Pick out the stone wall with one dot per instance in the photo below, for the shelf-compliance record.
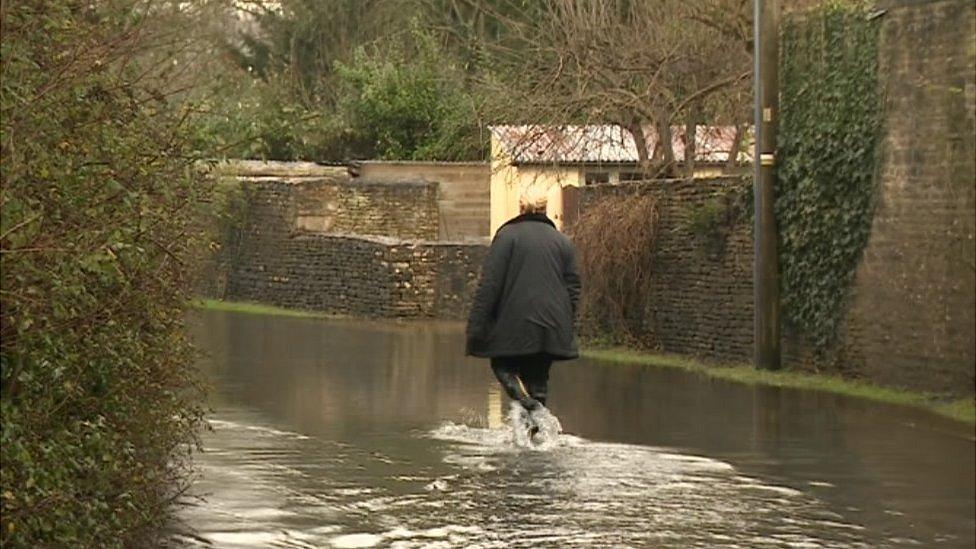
(400, 210)
(700, 300)
(292, 251)
(360, 276)
(404, 210)
(286, 171)
(913, 319)
(463, 200)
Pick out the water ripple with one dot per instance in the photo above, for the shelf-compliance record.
(269, 487)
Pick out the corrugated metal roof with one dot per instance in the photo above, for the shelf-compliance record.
(607, 143)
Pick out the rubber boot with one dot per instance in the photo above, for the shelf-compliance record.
(515, 388)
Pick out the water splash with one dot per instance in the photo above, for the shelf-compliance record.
(538, 429)
(555, 490)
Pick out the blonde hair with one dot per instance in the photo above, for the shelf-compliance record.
(533, 199)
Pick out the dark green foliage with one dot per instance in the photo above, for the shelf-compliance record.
(277, 97)
(828, 144)
(340, 79)
(97, 219)
(296, 43)
(249, 118)
(408, 106)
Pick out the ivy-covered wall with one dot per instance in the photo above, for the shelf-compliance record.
(876, 208)
(876, 191)
(830, 129)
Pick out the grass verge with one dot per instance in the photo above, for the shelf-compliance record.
(257, 309)
(961, 410)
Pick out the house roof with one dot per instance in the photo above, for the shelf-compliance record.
(607, 144)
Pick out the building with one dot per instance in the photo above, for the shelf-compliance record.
(564, 158)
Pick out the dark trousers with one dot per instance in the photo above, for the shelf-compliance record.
(524, 378)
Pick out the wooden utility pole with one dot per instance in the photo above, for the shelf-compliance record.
(766, 260)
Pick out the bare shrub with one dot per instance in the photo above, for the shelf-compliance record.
(616, 238)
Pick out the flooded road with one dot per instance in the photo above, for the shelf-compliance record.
(370, 434)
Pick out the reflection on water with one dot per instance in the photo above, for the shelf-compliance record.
(356, 434)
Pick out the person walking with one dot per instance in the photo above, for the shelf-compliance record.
(523, 312)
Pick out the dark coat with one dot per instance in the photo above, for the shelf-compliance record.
(529, 290)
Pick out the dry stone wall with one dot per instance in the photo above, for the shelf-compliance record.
(463, 192)
(405, 210)
(291, 251)
(700, 299)
(360, 276)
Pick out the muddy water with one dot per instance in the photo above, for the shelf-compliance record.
(359, 434)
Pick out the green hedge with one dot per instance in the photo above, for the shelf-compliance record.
(97, 222)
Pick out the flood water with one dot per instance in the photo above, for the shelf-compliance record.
(373, 434)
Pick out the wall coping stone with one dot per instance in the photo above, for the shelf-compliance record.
(393, 241)
(473, 163)
(262, 168)
(346, 182)
(360, 182)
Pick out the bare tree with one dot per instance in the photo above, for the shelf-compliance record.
(644, 66)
